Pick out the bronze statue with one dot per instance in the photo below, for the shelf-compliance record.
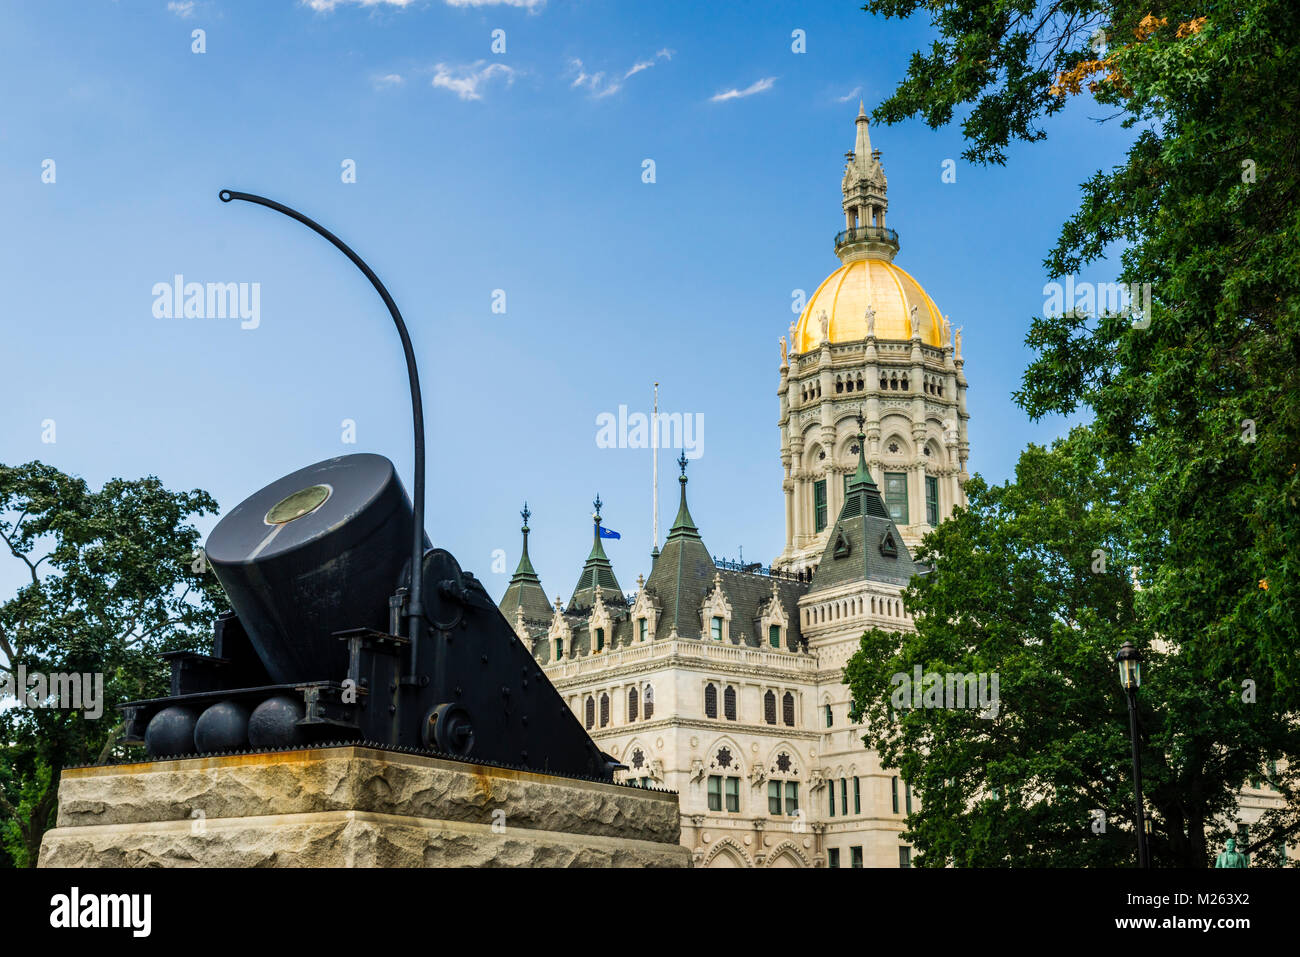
(1231, 857)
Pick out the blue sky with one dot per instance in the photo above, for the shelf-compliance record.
(478, 171)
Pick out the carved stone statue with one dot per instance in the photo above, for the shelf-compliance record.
(826, 326)
(912, 323)
(793, 340)
(947, 332)
(871, 320)
(959, 329)
(783, 353)
(1231, 857)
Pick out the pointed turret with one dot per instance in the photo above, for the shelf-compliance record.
(865, 543)
(524, 595)
(597, 572)
(682, 573)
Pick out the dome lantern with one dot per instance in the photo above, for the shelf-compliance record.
(865, 235)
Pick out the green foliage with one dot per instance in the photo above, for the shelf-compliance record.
(109, 586)
(1033, 582)
(1196, 415)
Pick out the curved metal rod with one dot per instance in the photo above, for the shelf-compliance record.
(415, 605)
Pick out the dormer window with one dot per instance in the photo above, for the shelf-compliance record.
(842, 547)
(715, 628)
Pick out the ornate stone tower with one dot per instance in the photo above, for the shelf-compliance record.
(869, 339)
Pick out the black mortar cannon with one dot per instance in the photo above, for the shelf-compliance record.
(317, 571)
(336, 636)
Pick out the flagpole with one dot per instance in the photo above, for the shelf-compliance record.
(654, 444)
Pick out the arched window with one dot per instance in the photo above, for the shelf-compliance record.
(604, 710)
(787, 709)
(783, 787)
(729, 703)
(710, 701)
(769, 707)
(631, 704)
(591, 712)
(648, 699)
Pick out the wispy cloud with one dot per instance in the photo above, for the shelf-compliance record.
(465, 81)
(594, 83)
(387, 81)
(758, 86)
(530, 5)
(325, 6)
(853, 94)
(665, 54)
(182, 8)
(600, 84)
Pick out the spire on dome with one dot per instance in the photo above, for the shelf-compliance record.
(864, 188)
(862, 147)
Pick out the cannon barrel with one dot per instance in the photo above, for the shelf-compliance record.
(313, 553)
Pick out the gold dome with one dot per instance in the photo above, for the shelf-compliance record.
(844, 297)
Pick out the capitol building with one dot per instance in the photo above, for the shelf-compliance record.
(723, 682)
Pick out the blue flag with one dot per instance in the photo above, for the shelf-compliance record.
(607, 532)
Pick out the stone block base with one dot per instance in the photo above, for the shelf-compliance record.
(353, 807)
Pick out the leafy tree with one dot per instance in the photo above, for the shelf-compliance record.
(1195, 406)
(110, 585)
(1033, 582)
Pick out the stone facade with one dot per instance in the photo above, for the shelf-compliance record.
(353, 806)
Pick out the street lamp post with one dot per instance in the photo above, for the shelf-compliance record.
(415, 603)
(1130, 676)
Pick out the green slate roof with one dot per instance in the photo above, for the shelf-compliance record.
(682, 574)
(865, 542)
(525, 589)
